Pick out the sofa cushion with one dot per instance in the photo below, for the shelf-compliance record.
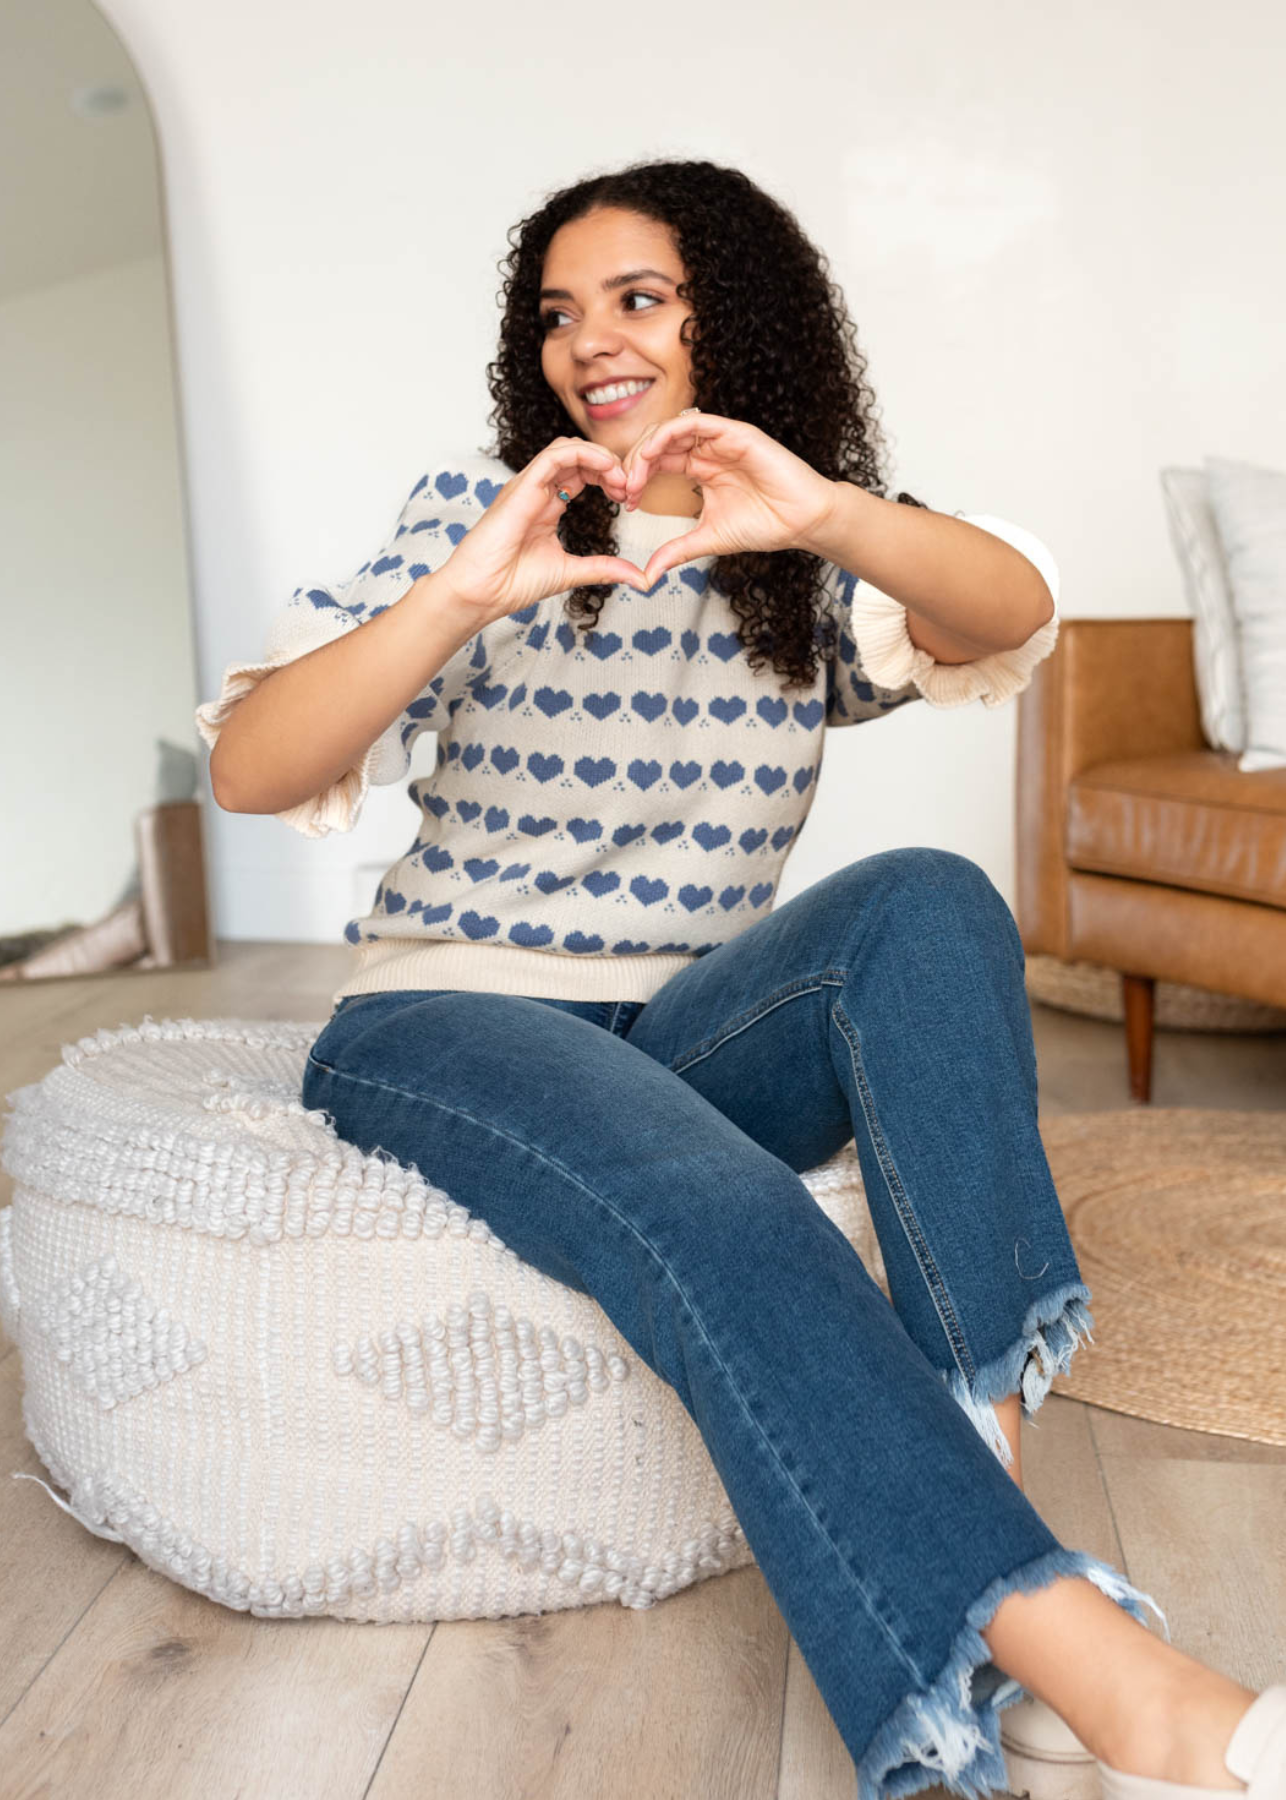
(1216, 647)
(1249, 505)
(1190, 820)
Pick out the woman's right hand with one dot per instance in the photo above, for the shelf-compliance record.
(513, 556)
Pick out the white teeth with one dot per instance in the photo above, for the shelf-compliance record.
(601, 396)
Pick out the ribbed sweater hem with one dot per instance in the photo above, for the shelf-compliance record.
(389, 964)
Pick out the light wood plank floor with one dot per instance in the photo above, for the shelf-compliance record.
(117, 1683)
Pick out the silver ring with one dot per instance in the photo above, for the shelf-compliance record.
(687, 410)
(564, 496)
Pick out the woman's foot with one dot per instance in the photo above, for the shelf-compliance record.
(1183, 1734)
(1140, 1705)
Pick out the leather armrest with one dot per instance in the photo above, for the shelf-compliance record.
(1111, 688)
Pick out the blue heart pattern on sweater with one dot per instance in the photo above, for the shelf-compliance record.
(596, 744)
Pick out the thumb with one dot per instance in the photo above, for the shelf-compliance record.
(678, 550)
(591, 569)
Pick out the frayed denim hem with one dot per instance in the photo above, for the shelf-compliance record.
(1051, 1333)
(945, 1736)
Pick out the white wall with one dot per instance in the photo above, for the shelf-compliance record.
(1050, 223)
(97, 657)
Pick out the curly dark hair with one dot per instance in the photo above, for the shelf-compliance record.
(774, 346)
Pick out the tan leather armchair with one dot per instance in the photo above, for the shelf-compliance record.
(1138, 846)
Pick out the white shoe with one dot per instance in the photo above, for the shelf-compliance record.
(1256, 1754)
(1043, 1755)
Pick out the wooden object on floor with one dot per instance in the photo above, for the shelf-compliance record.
(1138, 992)
(172, 881)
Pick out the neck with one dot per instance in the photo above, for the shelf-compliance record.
(672, 495)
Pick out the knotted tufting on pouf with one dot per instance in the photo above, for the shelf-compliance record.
(300, 1379)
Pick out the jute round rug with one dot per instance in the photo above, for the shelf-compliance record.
(1178, 1219)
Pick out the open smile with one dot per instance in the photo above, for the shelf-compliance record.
(623, 395)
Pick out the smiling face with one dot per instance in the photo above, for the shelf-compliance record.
(611, 321)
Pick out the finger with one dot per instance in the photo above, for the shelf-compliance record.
(676, 438)
(573, 464)
(631, 455)
(561, 490)
(641, 464)
(578, 455)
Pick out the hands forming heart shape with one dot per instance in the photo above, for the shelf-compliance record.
(755, 495)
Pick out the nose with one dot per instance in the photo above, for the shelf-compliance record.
(595, 336)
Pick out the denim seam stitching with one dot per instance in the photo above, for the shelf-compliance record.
(660, 1261)
(803, 984)
(901, 1201)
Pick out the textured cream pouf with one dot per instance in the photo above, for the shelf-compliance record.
(300, 1379)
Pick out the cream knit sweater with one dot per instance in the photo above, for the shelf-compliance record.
(604, 808)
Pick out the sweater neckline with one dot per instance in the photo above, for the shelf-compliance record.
(642, 533)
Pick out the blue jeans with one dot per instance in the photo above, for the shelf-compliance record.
(649, 1154)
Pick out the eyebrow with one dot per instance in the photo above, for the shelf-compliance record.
(612, 281)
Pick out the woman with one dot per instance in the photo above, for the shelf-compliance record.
(572, 1005)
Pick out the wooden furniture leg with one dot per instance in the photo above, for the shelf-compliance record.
(1139, 996)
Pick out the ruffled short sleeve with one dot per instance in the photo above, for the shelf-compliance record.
(878, 666)
(440, 509)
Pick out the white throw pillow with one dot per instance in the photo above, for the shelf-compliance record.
(1249, 505)
(1216, 648)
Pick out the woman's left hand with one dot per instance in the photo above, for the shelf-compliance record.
(756, 495)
